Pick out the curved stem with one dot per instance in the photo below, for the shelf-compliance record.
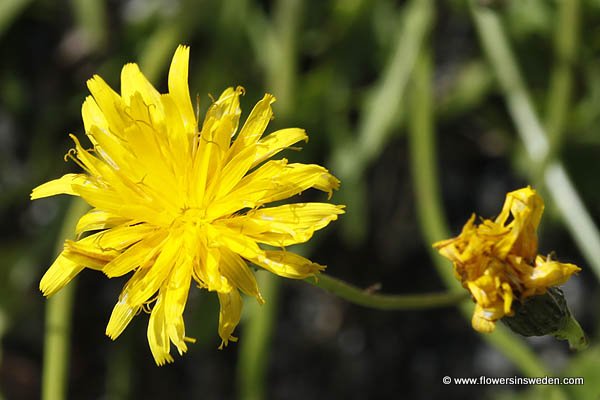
(58, 319)
(386, 302)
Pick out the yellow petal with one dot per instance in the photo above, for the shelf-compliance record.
(233, 172)
(287, 264)
(206, 161)
(109, 102)
(508, 296)
(92, 115)
(481, 321)
(98, 219)
(229, 315)
(175, 298)
(285, 225)
(207, 266)
(222, 118)
(91, 163)
(238, 274)
(59, 274)
(113, 202)
(296, 178)
(133, 81)
(549, 273)
(275, 180)
(158, 337)
(88, 256)
(156, 173)
(141, 287)
(239, 244)
(112, 149)
(255, 125)
(117, 238)
(277, 141)
(62, 185)
(178, 87)
(526, 208)
(96, 250)
(136, 256)
(166, 323)
(177, 146)
(120, 317)
(249, 190)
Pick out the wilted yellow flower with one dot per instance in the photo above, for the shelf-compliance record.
(173, 202)
(497, 261)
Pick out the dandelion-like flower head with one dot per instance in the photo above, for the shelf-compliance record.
(497, 261)
(174, 202)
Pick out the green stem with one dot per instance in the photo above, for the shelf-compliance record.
(58, 319)
(561, 81)
(386, 302)
(430, 210)
(119, 376)
(253, 350)
(574, 334)
(560, 187)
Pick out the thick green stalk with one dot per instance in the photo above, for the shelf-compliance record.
(254, 349)
(59, 308)
(561, 81)
(430, 210)
(366, 298)
(558, 184)
(423, 164)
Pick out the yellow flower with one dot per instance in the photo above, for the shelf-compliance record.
(497, 261)
(173, 202)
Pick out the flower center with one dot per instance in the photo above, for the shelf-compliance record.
(191, 216)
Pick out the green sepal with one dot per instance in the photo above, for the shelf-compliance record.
(547, 314)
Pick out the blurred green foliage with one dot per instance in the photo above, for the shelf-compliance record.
(343, 70)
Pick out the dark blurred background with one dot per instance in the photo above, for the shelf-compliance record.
(345, 71)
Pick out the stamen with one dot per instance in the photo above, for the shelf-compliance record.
(72, 154)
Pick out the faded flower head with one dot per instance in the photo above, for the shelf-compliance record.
(174, 202)
(497, 261)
